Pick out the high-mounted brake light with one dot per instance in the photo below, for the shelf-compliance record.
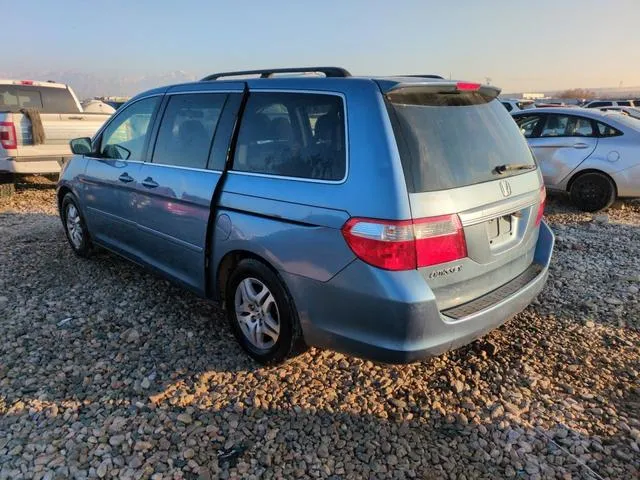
(468, 86)
(26, 82)
(406, 244)
(8, 138)
(543, 201)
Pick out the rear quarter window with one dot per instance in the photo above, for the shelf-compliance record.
(298, 135)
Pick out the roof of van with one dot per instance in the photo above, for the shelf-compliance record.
(384, 83)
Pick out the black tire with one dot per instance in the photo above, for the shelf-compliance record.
(592, 191)
(289, 340)
(83, 247)
(7, 189)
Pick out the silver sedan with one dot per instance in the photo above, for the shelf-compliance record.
(593, 155)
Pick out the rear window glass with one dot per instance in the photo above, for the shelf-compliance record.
(13, 98)
(45, 99)
(449, 141)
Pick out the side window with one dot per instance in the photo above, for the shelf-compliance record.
(125, 136)
(294, 135)
(624, 104)
(508, 106)
(600, 104)
(605, 130)
(567, 126)
(187, 129)
(528, 124)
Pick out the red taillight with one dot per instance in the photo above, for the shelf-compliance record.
(543, 201)
(8, 137)
(468, 86)
(26, 82)
(406, 244)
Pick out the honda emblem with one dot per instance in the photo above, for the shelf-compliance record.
(505, 187)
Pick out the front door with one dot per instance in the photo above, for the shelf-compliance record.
(176, 188)
(561, 144)
(112, 176)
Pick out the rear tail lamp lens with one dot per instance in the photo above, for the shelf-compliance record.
(406, 244)
(8, 138)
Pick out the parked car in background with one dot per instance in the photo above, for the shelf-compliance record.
(37, 120)
(593, 155)
(115, 102)
(515, 105)
(610, 103)
(632, 112)
(314, 210)
(96, 106)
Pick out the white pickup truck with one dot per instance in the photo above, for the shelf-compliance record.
(61, 117)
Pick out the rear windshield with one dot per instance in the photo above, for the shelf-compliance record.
(448, 141)
(13, 98)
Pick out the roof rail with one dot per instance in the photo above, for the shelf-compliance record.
(328, 71)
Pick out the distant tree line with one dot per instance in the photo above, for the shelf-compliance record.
(577, 93)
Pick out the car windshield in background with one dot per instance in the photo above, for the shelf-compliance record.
(448, 141)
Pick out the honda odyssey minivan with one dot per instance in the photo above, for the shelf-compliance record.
(390, 218)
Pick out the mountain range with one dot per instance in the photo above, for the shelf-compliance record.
(87, 85)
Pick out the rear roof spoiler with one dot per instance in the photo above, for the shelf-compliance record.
(444, 87)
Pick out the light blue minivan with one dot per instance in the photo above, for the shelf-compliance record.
(388, 218)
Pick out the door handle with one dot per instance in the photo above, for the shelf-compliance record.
(125, 177)
(76, 118)
(580, 145)
(150, 183)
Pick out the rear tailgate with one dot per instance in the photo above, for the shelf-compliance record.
(59, 129)
(455, 141)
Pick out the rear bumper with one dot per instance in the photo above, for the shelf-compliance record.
(46, 164)
(393, 317)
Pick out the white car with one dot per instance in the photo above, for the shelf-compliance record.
(516, 105)
(37, 121)
(611, 103)
(592, 155)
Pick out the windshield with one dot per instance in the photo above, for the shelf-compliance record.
(453, 141)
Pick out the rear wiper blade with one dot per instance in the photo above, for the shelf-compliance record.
(510, 167)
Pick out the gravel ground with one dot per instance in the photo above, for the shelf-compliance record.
(108, 371)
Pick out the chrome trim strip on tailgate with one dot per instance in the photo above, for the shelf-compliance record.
(498, 209)
(476, 197)
(495, 296)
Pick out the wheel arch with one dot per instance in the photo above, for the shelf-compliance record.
(62, 191)
(576, 175)
(226, 265)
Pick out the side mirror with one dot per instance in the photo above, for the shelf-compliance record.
(81, 146)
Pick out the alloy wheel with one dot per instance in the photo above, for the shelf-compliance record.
(257, 313)
(74, 227)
